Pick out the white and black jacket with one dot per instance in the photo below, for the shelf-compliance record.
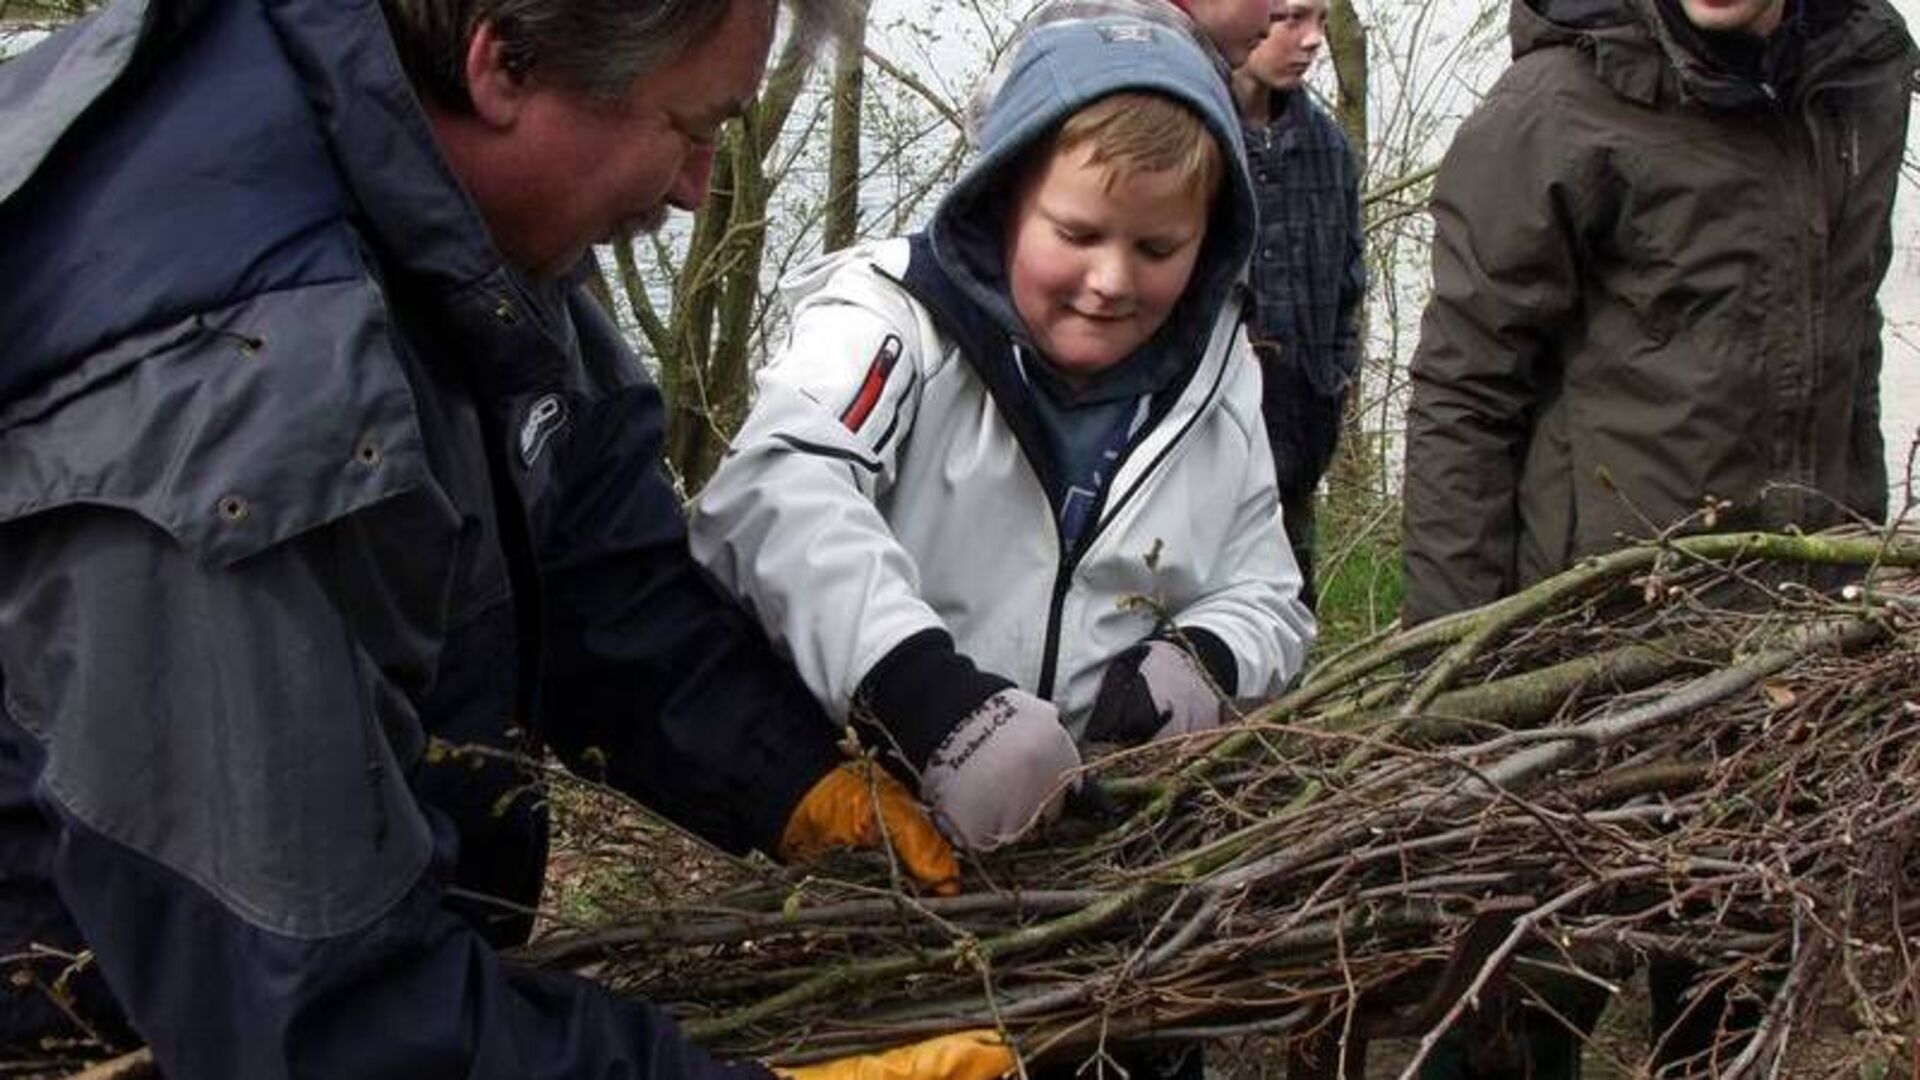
(887, 492)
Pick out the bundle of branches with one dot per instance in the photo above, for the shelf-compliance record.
(1678, 749)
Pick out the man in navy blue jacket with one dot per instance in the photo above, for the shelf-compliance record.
(316, 460)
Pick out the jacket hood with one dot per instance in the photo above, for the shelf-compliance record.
(322, 146)
(1642, 51)
(1159, 12)
(1059, 69)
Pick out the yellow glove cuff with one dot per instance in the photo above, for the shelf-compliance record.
(964, 1055)
(840, 811)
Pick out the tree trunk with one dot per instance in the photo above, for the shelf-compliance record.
(1357, 468)
(602, 292)
(842, 223)
(704, 346)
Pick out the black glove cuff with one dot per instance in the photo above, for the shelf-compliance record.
(1123, 711)
(1218, 660)
(920, 691)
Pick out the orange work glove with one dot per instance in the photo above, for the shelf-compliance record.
(846, 808)
(964, 1055)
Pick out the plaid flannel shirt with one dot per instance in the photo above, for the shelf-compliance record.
(1307, 278)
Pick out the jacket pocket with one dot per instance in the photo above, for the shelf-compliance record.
(232, 430)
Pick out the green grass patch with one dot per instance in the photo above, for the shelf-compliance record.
(1357, 572)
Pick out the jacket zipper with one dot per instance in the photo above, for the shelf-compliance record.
(1812, 351)
(1070, 559)
(1815, 80)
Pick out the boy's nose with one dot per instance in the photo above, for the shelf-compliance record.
(1110, 276)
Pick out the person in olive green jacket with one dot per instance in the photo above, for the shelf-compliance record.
(1658, 242)
(1657, 246)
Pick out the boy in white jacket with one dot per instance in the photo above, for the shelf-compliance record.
(1007, 483)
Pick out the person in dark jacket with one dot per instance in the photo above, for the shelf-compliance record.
(1658, 243)
(1308, 273)
(324, 489)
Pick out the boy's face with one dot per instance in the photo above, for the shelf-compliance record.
(1234, 26)
(1095, 272)
(1283, 60)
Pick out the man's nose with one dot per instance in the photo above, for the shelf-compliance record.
(690, 187)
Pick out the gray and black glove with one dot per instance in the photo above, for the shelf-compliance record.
(1001, 770)
(1158, 690)
(991, 758)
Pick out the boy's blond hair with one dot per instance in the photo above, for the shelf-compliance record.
(1139, 132)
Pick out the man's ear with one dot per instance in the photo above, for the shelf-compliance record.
(497, 90)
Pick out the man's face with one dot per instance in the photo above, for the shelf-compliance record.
(1283, 60)
(578, 170)
(1095, 272)
(1234, 26)
(1756, 17)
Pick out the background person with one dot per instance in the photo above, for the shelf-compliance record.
(1309, 273)
(1657, 246)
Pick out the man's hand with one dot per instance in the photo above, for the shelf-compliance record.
(965, 1055)
(1154, 690)
(852, 806)
(999, 770)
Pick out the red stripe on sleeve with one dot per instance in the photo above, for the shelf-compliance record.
(875, 382)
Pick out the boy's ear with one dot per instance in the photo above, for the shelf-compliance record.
(496, 84)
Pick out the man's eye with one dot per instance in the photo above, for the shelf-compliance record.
(702, 135)
(1075, 237)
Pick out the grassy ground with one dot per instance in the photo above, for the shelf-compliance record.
(610, 858)
(1357, 570)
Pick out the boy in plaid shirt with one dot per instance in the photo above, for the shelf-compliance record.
(1308, 273)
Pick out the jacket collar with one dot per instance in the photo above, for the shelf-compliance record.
(1285, 110)
(1639, 57)
(428, 232)
(90, 57)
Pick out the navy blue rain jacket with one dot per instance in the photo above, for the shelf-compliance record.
(299, 484)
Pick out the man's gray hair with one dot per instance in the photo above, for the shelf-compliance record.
(598, 47)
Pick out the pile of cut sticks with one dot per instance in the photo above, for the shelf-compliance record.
(1682, 749)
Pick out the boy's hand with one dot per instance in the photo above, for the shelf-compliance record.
(964, 1055)
(999, 770)
(847, 809)
(1154, 690)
